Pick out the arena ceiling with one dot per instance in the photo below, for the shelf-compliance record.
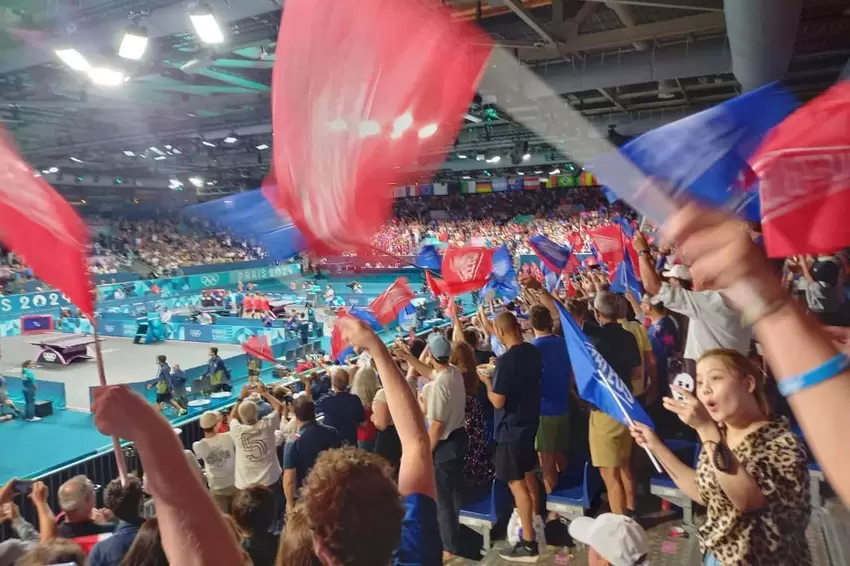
(628, 65)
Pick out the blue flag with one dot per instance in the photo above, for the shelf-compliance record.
(502, 282)
(609, 195)
(625, 280)
(503, 264)
(554, 256)
(596, 381)
(701, 156)
(367, 316)
(407, 317)
(429, 258)
(251, 216)
(626, 226)
(550, 278)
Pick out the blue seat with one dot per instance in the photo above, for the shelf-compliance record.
(576, 489)
(661, 485)
(483, 514)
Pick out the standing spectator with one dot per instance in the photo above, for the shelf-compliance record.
(125, 502)
(648, 364)
(76, 499)
(219, 455)
(666, 345)
(30, 387)
(553, 433)
(253, 510)
(514, 390)
(365, 386)
(28, 537)
(478, 463)
(299, 455)
(610, 441)
(342, 410)
(387, 441)
(255, 441)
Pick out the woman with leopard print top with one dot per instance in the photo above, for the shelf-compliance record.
(751, 474)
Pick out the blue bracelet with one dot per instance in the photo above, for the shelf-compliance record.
(827, 370)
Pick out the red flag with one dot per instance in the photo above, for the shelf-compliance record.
(608, 241)
(338, 345)
(258, 346)
(40, 226)
(571, 291)
(435, 284)
(466, 269)
(392, 301)
(411, 336)
(366, 88)
(804, 174)
(576, 242)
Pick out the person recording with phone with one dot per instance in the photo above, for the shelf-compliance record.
(751, 474)
(28, 537)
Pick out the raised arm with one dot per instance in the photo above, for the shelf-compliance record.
(684, 476)
(648, 275)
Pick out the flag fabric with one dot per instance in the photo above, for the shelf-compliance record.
(339, 349)
(364, 89)
(575, 241)
(428, 258)
(804, 176)
(367, 316)
(507, 288)
(258, 347)
(407, 318)
(466, 269)
(550, 279)
(596, 381)
(608, 242)
(699, 157)
(503, 264)
(40, 227)
(251, 216)
(626, 226)
(555, 257)
(435, 284)
(388, 304)
(625, 280)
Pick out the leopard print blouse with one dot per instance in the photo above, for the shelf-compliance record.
(775, 534)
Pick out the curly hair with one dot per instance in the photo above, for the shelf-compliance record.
(353, 505)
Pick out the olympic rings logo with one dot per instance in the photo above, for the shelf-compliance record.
(209, 279)
(49, 356)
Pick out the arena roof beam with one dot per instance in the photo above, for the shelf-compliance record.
(695, 5)
(624, 14)
(518, 9)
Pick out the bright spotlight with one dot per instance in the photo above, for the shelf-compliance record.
(427, 131)
(526, 157)
(129, 153)
(134, 43)
(102, 76)
(73, 59)
(197, 181)
(208, 144)
(206, 25)
(230, 139)
(262, 146)
(401, 125)
(53, 170)
(75, 160)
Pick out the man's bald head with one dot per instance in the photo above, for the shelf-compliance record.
(76, 498)
(339, 378)
(507, 327)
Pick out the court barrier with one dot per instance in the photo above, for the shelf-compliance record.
(100, 466)
(53, 391)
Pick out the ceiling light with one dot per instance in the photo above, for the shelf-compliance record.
(129, 153)
(538, 172)
(231, 138)
(175, 183)
(520, 173)
(526, 157)
(262, 146)
(37, 174)
(208, 144)
(75, 160)
(206, 25)
(168, 147)
(401, 125)
(427, 131)
(480, 157)
(466, 177)
(368, 128)
(159, 158)
(53, 170)
(73, 59)
(555, 171)
(338, 125)
(197, 181)
(495, 159)
(134, 43)
(45, 171)
(176, 151)
(461, 156)
(102, 76)
(156, 150)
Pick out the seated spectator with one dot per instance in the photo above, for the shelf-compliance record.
(218, 453)
(77, 501)
(299, 455)
(296, 542)
(342, 410)
(58, 551)
(125, 502)
(147, 549)
(253, 511)
(613, 540)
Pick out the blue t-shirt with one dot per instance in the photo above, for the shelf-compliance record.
(343, 411)
(300, 454)
(420, 535)
(557, 373)
(28, 380)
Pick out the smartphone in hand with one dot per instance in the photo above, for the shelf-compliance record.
(23, 487)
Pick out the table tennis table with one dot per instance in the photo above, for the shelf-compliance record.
(64, 349)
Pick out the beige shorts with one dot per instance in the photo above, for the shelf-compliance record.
(610, 441)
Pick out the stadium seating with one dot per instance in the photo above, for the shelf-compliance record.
(576, 489)
(483, 514)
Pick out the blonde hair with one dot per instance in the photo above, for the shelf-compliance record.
(365, 385)
(240, 536)
(296, 541)
(741, 366)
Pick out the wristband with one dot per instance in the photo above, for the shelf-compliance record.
(825, 371)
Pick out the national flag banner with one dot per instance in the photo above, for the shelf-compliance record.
(466, 269)
(586, 179)
(483, 187)
(530, 183)
(550, 279)
(626, 226)
(596, 381)
(339, 349)
(388, 304)
(506, 288)
(554, 256)
(500, 184)
(516, 183)
(426, 189)
(575, 241)
(259, 347)
(428, 258)
(468, 187)
(435, 284)
(608, 242)
(367, 316)
(566, 181)
(441, 188)
(42, 229)
(365, 90)
(803, 169)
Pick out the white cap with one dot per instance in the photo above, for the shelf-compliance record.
(678, 271)
(616, 538)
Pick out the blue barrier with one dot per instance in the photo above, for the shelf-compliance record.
(53, 391)
(199, 269)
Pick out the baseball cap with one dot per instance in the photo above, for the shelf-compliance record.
(439, 347)
(209, 419)
(616, 538)
(678, 271)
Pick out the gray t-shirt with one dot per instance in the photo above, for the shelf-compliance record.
(447, 400)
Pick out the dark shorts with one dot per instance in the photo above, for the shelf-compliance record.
(163, 397)
(515, 459)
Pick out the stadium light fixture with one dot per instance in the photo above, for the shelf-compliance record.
(231, 138)
(428, 131)
(159, 158)
(521, 173)
(176, 151)
(156, 150)
(262, 146)
(538, 172)
(103, 76)
(495, 159)
(129, 153)
(197, 181)
(45, 171)
(555, 171)
(53, 169)
(134, 43)
(526, 156)
(461, 156)
(73, 59)
(207, 143)
(466, 177)
(75, 160)
(205, 24)
(168, 147)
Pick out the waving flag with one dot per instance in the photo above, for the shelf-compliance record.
(608, 242)
(626, 226)
(700, 156)
(804, 177)
(365, 87)
(435, 284)
(596, 381)
(407, 318)
(251, 216)
(388, 304)
(258, 347)
(367, 316)
(555, 257)
(625, 280)
(550, 279)
(428, 258)
(339, 349)
(41, 227)
(503, 265)
(466, 269)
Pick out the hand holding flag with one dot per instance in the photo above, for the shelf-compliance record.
(388, 304)
(259, 347)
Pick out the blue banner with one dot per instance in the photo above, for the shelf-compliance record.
(426, 189)
(516, 183)
(554, 256)
(499, 184)
(429, 258)
(31, 303)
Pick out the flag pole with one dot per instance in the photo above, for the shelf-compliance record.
(101, 376)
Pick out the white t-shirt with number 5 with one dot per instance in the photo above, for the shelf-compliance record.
(256, 451)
